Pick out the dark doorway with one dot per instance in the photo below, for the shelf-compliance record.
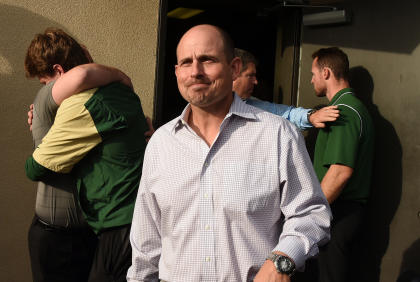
(253, 27)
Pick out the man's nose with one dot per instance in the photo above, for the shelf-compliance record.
(196, 69)
(255, 80)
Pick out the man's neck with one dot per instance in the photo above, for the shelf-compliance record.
(335, 87)
(206, 121)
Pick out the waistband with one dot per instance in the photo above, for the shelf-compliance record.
(47, 225)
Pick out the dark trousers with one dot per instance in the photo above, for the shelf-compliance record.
(333, 263)
(112, 256)
(60, 255)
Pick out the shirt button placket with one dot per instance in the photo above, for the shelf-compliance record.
(207, 220)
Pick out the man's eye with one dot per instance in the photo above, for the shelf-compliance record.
(207, 60)
(185, 64)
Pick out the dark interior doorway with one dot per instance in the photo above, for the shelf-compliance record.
(253, 27)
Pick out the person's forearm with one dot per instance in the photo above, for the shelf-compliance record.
(334, 181)
(85, 77)
(35, 171)
(298, 116)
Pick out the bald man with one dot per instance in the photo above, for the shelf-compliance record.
(228, 192)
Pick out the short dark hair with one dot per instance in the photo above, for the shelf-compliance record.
(246, 58)
(335, 59)
(54, 46)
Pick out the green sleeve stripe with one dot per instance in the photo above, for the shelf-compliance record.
(34, 170)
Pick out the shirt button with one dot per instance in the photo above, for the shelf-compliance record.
(207, 259)
(206, 195)
(207, 227)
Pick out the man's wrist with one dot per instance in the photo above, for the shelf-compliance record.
(308, 115)
(282, 263)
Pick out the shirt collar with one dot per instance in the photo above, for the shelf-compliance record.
(341, 93)
(247, 99)
(238, 108)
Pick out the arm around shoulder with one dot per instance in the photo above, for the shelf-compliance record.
(85, 77)
(319, 117)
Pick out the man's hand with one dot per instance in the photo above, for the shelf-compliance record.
(30, 116)
(268, 273)
(323, 115)
(151, 130)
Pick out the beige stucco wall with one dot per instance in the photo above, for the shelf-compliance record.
(118, 33)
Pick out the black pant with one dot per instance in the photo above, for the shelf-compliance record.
(113, 255)
(60, 255)
(333, 263)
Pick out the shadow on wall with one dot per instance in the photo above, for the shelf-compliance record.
(18, 27)
(386, 182)
(410, 269)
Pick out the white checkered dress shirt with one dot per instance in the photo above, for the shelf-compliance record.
(215, 213)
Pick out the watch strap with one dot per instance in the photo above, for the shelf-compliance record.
(273, 257)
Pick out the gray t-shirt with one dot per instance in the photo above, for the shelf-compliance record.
(55, 201)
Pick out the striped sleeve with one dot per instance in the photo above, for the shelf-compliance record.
(71, 137)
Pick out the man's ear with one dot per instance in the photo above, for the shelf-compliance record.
(58, 69)
(176, 70)
(326, 73)
(236, 65)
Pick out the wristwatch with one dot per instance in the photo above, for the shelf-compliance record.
(310, 112)
(283, 264)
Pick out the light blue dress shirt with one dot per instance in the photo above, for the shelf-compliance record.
(297, 116)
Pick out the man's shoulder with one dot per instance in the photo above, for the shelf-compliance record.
(168, 127)
(353, 109)
(78, 99)
(43, 94)
(270, 122)
(162, 137)
(116, 96)
(350, 101)
(45, 108)
(261, 103)
(114, 86)
(267, 116)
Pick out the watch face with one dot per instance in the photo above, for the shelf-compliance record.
(284, 265)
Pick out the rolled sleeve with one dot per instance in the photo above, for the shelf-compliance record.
(307, 215)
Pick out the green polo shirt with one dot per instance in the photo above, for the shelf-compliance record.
(348, 141)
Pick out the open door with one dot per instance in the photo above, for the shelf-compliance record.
(254, 26)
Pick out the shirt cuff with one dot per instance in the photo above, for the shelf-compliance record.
(293, 248)
(305, 121)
